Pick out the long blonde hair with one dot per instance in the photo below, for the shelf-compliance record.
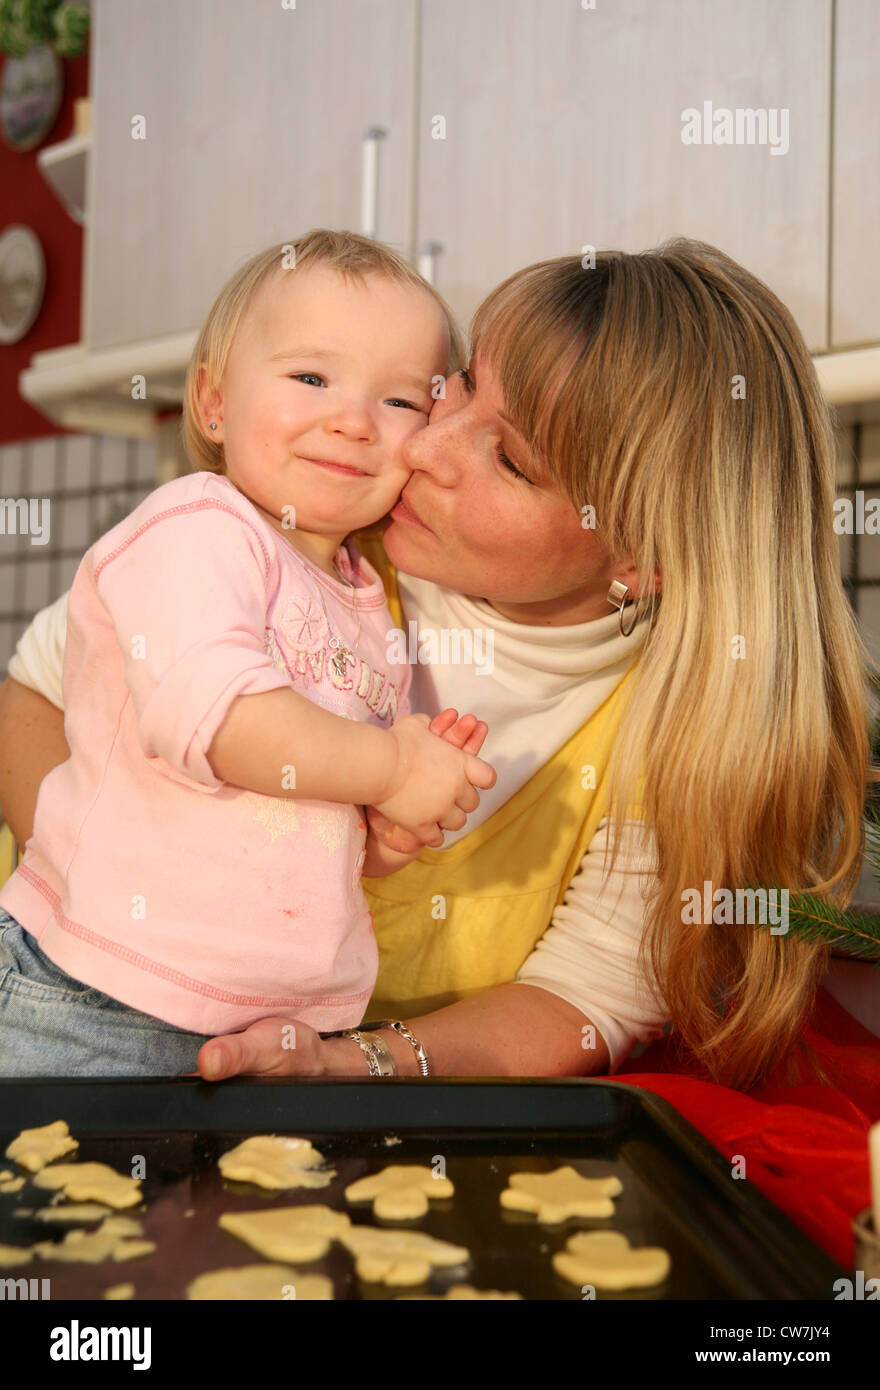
(351, 255)
(672, 391)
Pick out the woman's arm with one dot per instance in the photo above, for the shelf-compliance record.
(32, 742)
(510, 1030)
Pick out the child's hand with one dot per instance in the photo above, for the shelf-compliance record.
(467, 733)
(434, 785)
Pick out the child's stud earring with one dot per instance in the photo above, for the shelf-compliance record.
(213, 424)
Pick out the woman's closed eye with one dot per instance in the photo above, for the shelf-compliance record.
(502, 457)
(393, 400)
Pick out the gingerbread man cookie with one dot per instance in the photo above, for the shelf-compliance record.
(400, 1192)
(556, 1196)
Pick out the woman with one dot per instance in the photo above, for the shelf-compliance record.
(657, 415)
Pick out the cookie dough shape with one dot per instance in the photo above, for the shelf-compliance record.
(86, 1182)
(399, 1257)
(556, 1196)
(251, 1282)
(73, 1211)
(11, 1184)
(400, 1192)
(276, 1162)
(119, 1291)
(13, 1255)
(606, 1260)
(456, 1293)
(34, 1148)
(287, 1233)
(110, 1241)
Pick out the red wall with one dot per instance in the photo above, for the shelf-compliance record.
(26, 197)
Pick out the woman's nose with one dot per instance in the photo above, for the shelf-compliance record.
(435, 449)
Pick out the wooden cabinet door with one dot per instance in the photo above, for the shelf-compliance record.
(254, 118)
(855, 200)
(563, 128)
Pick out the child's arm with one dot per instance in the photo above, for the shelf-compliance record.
(280, 743)
(466, 733)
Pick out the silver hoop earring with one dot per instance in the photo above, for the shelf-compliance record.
(617, 598)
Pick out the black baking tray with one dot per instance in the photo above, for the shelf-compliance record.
(725, 1239)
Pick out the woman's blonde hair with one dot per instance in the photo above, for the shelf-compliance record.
(672, 391)
(351, 255)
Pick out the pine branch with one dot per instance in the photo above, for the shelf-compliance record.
(810, 918)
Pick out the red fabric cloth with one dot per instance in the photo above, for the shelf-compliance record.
(805, 1146)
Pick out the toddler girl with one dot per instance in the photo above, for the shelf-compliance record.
(195, 864)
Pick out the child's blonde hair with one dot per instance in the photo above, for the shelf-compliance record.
(351, 255)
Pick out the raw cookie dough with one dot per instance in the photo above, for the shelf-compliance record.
(84, 1182)
(11, 1184)
(299, 1234)
(111, 1239)
(456, 1293)
(74, 1211)
(11, 1255)
(606, 1260)
(260, 1282)
(34, 1148)
(119, 1291)
(276, 1162)
(400, 1192)
(556, 1196)
(399, 1257)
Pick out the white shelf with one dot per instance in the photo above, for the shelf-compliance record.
(63, 166)
(91, 390)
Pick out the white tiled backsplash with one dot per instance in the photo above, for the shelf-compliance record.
(92, 481)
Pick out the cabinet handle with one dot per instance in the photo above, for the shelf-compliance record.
(370, 180)
(427, 258)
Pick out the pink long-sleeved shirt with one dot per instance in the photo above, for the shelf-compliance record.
(204, 904)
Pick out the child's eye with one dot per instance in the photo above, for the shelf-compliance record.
(313, 376)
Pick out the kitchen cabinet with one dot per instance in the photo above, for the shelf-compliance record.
(254, 117)
(855, 207)
(548, 127)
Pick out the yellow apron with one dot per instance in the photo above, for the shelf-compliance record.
(457, 921)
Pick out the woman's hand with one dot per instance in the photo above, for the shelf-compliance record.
(435, 779)
(467, 733)
(275, 1047)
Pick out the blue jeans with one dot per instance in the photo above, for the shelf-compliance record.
(54, 1025)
